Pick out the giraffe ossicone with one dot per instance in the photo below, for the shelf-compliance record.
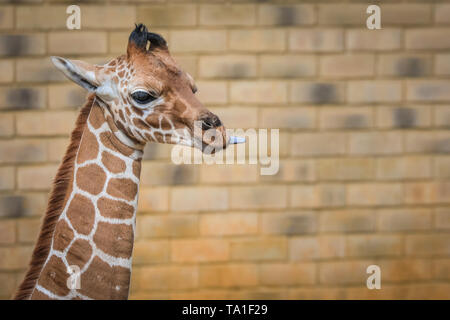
(142, 96)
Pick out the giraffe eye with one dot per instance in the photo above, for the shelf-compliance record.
(142, 97)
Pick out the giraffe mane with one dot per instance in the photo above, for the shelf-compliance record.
(61, 183)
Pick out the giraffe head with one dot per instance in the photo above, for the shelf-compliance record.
(148, 96)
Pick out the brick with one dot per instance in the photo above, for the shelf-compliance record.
(316, 248)
(227, 15)
(289, 223)
(430, 90)
(151, 252)
(227, 66)
(163, 173)
(344, 221)
(7, 179)
(426, 39)
(318, 144)
(237, 116)
(148, 295)
(346, 118)
(288, 66)
(347, 66)
(286, 15)
(157, 151)
(427, 244)
(15, 98)
(424, 291)
(375, 143)
(7, 67)
(112, 17)
(288, 118)
(50, 123)
(7, 16)
(441, 64)
(154, 199)
(37, 70)
(267, 40)
(406, 14)
(189, 40)
(66, 96)
(261, 92)
(17, 151)
(228, 224)
(14, 45)
(294, 171)
(42, 17)
(9, 285)
(228, 173)
(56, 148)
(259, 250)
(261, 294)
(28, 230)
(400, 168)
(427, 142)
(188, 63)
(442, 167)
(85, 42)
(315, 293)
(317, 92)
(36, 178)
(14, 258)
(404, 117)
(198, 199)
(374, 91)
(23, 205)
(174, 15)
(441, 269)
(258, 197)
(7, 231)
(282, 274)
(315, 196)
(321, 40)
(442, 116)
(163, 278)
(160, 226)
(229, 275)
(343, 169)
(118, 41)
(441, 12)
(336, 14)
(367, 40)
(406, 270)
(404, 65)
(212, 92)
(419, 192)
(404, 219)
(369, 194)
(200, 250)
(6, 125)
(427, 192)
(374, 245)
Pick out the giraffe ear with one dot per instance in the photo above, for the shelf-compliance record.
(82, 73)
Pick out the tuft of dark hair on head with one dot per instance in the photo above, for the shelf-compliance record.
(140, 36)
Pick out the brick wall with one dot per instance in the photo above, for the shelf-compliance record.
(364, 144)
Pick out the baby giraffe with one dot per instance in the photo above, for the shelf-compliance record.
(85, 245)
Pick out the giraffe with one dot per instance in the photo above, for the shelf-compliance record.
(142, 96)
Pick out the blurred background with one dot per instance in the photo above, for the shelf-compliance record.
(364, 119)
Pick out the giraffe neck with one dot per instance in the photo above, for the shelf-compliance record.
(95, 230)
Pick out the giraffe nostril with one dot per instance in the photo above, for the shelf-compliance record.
(211, 122)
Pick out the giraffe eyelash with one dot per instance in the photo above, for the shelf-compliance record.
(144, 99)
